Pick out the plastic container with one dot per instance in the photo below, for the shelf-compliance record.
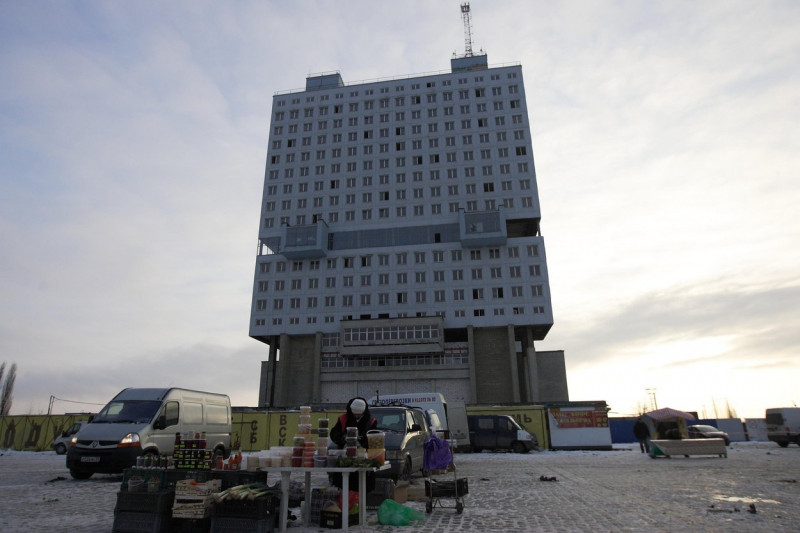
(305, 410)
(352, 432)
(322, 423)
(376, 439)
(377, 453)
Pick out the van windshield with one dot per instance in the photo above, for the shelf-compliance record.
(128, 412)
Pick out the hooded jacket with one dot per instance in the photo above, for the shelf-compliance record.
(348, 419)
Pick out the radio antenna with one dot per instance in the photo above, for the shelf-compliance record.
(467, 18)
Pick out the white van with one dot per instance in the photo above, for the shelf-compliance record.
(144, 422)
(783, 425)
(424, 400)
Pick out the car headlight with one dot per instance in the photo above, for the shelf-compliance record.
(393, 454)
(129, 440)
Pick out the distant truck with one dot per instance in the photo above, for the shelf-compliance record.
(783, 425)
(499, 432)
(144, 422)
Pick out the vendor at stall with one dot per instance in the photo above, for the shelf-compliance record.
(358, 416)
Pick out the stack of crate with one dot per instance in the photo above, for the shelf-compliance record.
(193, 502)
(143, 507)
(247, 516)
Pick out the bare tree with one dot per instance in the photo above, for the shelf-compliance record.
(7, 393)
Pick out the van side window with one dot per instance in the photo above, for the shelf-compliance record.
(217, 414)
(192, 413)
(486, 423)
(171, 413)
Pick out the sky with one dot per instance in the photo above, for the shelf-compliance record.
(133, 140)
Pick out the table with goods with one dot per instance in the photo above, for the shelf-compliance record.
(310, 454)
(194, 490)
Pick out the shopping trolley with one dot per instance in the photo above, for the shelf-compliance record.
(437, 460)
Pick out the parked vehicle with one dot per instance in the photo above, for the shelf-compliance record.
(62, 442)
(144, 422)
(700, 431)
(405, 432)
(499, 432)
(424, 400)
(783, 425)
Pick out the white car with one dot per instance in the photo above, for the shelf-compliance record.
(62, 442)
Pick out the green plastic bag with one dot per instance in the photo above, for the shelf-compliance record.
(391, 513)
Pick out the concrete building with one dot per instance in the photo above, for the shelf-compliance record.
(399, 244)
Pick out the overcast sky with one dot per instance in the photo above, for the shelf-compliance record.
(666, 134)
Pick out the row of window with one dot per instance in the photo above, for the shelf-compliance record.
(401, 278)
(396, 298)
(336, 361)
(458, 313)
(391, 333)
(400, 147)
(427, 85)
(403, 258)
(358, 108)
(402, 132)
(434, 191)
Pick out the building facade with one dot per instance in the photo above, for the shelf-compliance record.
(399, 245)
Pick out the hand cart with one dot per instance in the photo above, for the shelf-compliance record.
(437, 459)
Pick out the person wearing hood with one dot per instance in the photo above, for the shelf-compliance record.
(357, 415)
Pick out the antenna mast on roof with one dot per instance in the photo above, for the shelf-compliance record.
(465, 16)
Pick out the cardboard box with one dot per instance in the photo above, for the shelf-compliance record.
(401, 492)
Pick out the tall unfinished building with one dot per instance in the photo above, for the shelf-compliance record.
(399, 246)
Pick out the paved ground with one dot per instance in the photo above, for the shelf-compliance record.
(620, 490)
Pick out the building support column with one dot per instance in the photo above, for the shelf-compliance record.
(316, 393)
(534, 394)
(512, 355)
(279, 395)
(473, 383)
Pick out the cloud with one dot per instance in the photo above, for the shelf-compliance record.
(132, 160)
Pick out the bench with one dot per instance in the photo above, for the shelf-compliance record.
(687, 447)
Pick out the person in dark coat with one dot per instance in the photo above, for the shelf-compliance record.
(357, 415)
(642, 434)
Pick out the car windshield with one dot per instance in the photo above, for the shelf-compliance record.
(391, 420)
(128, 411)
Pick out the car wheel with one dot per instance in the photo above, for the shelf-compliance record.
(783, 443)
(61, 449)
(80, 474)
(518, 447)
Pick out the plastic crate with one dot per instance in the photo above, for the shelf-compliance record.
(320, 498)
(446, 489)
(135, 522)
(333, 519)
(191, 525)
(147, 474)
(384, 490)
(145, 502)
(256, 508)
(230, 524)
